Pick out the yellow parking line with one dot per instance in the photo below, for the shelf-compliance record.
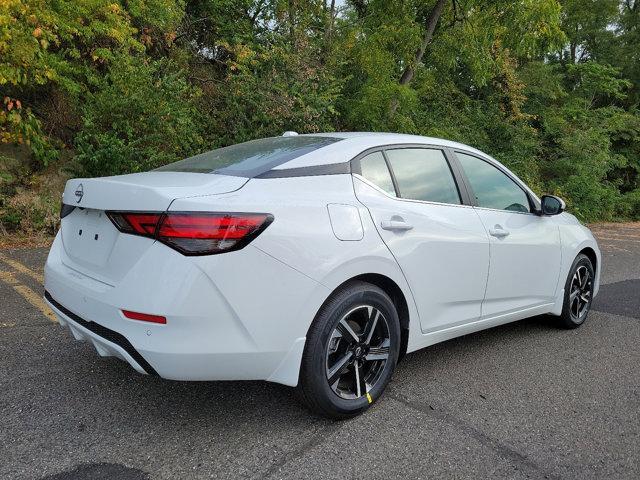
(29, 295)
(36, 300)
(8, 278)
(23, 269)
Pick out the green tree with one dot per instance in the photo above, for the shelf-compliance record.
(143, 116)
(548, 87)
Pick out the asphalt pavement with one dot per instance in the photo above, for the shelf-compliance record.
(524, 400)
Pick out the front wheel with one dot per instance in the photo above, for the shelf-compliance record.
(351, 352)
(578, 293)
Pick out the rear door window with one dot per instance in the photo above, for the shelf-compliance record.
(374, 168)
(423, 174)
(250, 159)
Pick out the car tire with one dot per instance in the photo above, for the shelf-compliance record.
(578, 293)
(344, 368)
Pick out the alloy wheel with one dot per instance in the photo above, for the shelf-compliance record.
(357, 352)
(580, 292)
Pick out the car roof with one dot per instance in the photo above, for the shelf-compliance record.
(352, 144)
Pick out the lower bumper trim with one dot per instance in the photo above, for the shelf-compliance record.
(106, 333)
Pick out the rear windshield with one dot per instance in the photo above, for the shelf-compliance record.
(250, 159)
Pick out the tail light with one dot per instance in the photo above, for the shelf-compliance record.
(194, 233)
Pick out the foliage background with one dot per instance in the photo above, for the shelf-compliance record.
(96, 87)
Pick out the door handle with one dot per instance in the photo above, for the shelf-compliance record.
(397, 225)
(498, 232)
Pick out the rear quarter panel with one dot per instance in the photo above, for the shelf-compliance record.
(301, 237)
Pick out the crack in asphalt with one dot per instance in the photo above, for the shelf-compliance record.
(322, 435)
(505, 451)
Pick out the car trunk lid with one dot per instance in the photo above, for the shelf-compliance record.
(94, 246)
(152, 191)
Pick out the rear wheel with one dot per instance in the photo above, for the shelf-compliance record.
(351, 352)
(578, 293)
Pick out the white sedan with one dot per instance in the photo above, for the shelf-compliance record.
(314, 261)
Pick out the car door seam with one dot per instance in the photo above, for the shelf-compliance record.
(558, 279)
(486, 283)
(373, 221)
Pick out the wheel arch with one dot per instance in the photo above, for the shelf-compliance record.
(391, 288)
(591, 255)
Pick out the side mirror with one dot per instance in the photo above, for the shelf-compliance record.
(552, 205)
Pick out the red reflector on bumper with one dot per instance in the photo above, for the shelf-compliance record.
(145, 317)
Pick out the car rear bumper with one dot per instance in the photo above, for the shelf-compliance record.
(239, 329)
(108, 343)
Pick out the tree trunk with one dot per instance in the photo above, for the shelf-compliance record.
(410, 70)
(292, 19)
(431, 22)
(329, 21)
